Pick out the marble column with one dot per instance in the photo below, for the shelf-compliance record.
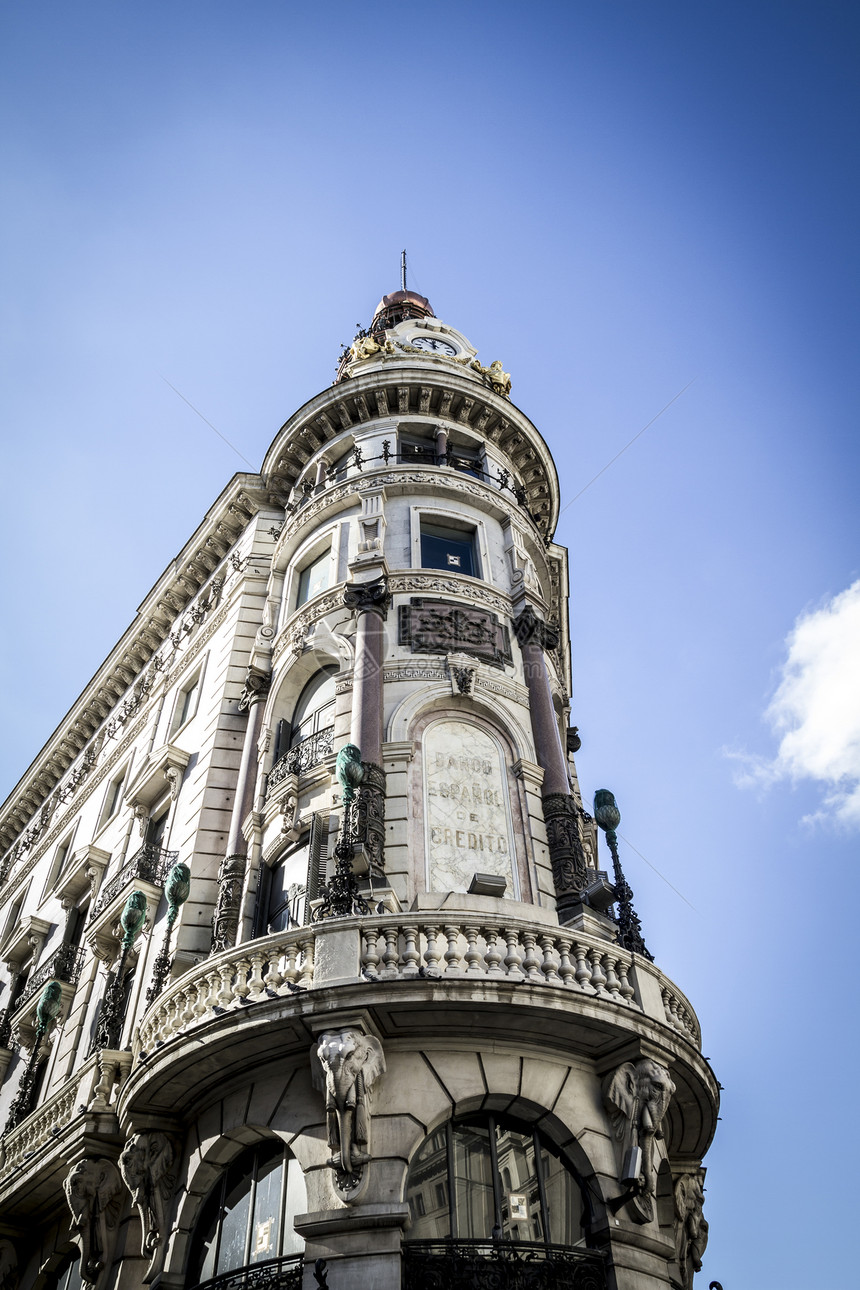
(231, 875)
(370, 601)
(570, 872)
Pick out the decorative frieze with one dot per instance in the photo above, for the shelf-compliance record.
(445, 627)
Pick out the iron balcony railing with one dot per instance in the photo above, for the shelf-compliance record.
(63, 965)
(306, 754)
(274, 1274)
(500, 1265)
(150, 863)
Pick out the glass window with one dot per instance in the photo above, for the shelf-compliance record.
(288, 889)
(114, 798)
(444, 547)
(248, 1216)
(315, 708)
(505, 1181)
(314, 577)
(186, 704)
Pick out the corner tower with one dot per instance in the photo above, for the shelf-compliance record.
(310, 951)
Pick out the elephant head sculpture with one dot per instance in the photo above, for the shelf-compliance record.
(345, 1065)
(93, 1192)
(637, 1096)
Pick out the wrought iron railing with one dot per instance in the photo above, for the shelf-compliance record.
(500, 1265)
(150, 863)
(306, 754)
(274, 1274)
(63, 965)
(5, 1027)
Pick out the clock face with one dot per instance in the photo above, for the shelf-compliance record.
(433, 345)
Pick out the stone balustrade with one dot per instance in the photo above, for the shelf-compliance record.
(414, 947)
(70, 1099)
(510, 950)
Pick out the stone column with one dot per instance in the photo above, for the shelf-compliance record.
(569, 870)
(370, 600)
(231, 874)
(441, 445)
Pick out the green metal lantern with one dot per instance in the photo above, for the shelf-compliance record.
(132, 919)
(177, 885)
(48, 1007)
(606, 811)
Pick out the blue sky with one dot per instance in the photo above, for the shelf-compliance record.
(616, 199)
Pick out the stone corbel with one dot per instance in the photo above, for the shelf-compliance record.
(463, 671)
(26, 942)
(636, 1096)
(94, 1194)
(691, 1226)
(346, 1063)
(147, 1165)
(82, 874)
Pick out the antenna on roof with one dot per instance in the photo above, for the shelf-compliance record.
(402, 270)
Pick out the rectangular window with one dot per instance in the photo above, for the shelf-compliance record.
(113, 801)
(186, 704)
(448, 548)
(314, 577)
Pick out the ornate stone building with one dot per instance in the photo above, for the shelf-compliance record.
(310, 971)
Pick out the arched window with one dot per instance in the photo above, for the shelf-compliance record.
(247, 1219)
(488, 1178)
(309, 738)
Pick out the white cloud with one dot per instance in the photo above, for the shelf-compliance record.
(816, 711)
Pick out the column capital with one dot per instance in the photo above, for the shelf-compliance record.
(368, 597)
(255, 689)
(531, 630)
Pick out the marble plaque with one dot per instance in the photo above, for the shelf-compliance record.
(467, 812)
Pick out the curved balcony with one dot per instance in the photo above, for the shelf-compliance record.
(423, 973)
(302, 757)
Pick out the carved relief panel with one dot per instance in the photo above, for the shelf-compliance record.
(467, 811)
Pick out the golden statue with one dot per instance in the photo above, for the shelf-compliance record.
(364, 347)
(495, 376)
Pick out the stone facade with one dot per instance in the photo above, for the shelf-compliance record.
(307, 963)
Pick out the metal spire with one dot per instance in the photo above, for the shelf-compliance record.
(402, 270)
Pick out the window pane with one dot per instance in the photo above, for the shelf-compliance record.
(473, 1183)
(297, 1203)
(451, 549)
(288, 889)
(314, 577)
(427, 1191)
(520, 1195)
(266, 1225)
(564, 1202)
(315, 708)
(234, 1224)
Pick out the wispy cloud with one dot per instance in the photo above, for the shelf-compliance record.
(816, 712)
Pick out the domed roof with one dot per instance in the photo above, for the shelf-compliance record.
(394, 308)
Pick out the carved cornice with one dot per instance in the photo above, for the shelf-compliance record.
(157, 671)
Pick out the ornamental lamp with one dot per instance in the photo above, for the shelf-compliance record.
(606, 811)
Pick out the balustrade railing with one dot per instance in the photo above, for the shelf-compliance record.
(263, 969)
(500, 1265)
(274, 1274)
(44, 1124)
(303, 757)
(63, 965)
(151, 863)
(414, 947)
(425, 947)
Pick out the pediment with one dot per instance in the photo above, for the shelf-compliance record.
(157, 775)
